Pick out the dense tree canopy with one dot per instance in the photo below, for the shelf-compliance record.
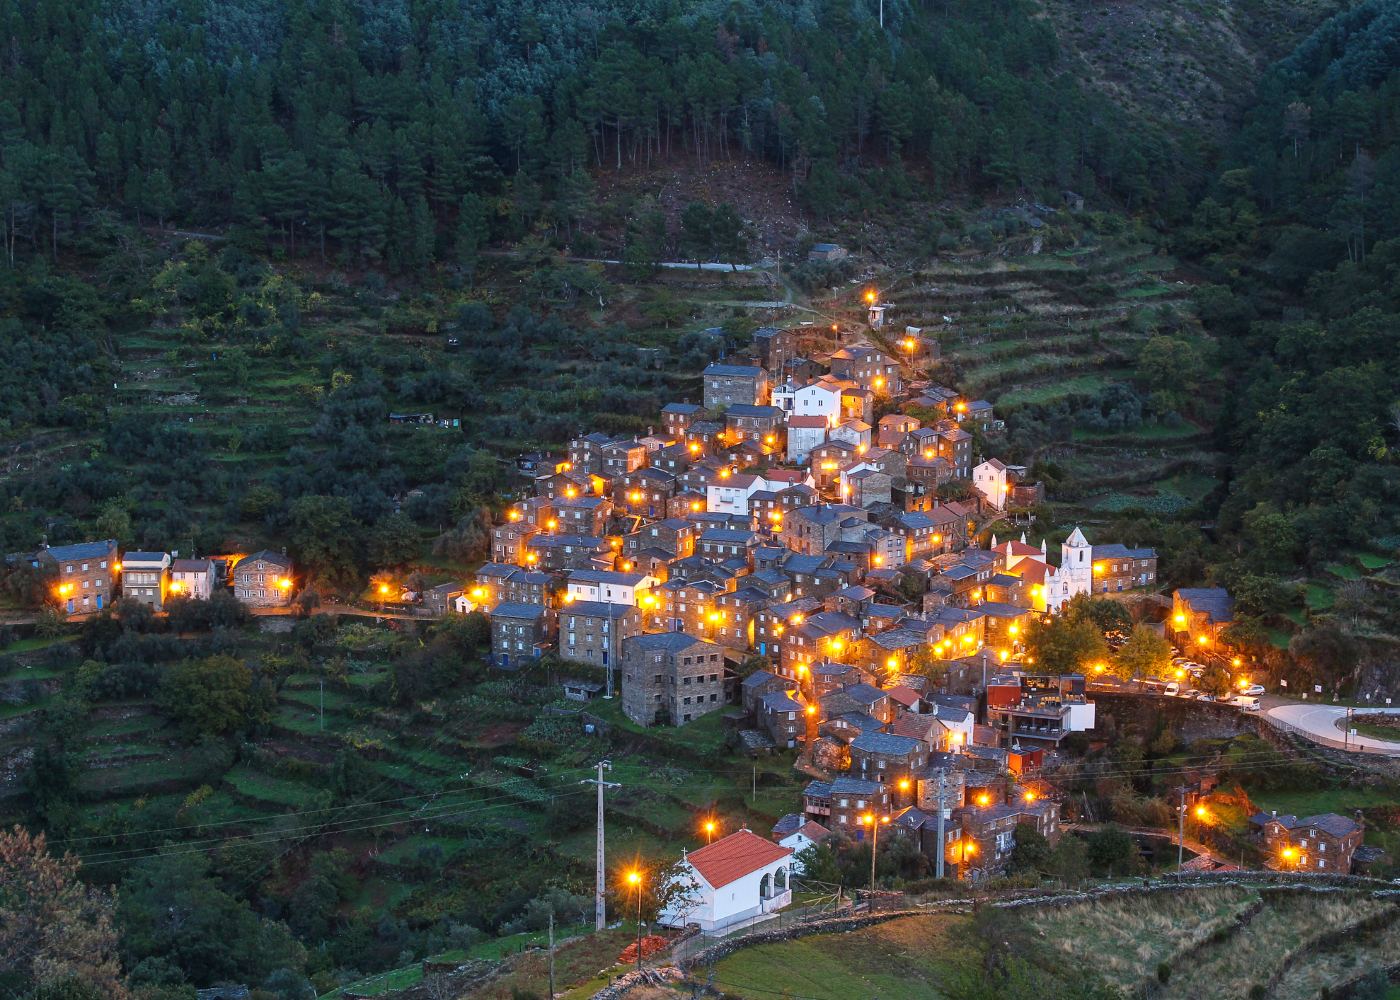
(407, 130)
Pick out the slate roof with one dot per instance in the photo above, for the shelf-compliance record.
(517, 609)
(748, 371)
(1116, 551)
(669, 642)
(885, 743)
(780, 701)
(597, 609)
(1215, 602)
(855, 786)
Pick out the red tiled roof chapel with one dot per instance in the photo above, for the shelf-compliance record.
(731, 858)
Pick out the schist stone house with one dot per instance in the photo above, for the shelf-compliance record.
(736, 878)
(263, 579)
(730, 385)
(1118, 568)
(85, 574)
(1322, 843)
(593, 631)
(671, 677)
(519, 632)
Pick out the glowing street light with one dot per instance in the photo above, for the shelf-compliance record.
(709, 830)
(634, 879)
(870, 296)
(870, 820)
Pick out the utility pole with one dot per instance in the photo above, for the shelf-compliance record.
(600, 913)
(551, 955)
(753, 799)
(1180, 829)
(942, 815)
(323, 703)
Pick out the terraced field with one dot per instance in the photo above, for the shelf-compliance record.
(1219, 943)
(1055, 330)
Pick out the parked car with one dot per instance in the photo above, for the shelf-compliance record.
(1249, 704)
(1192, 693)
(1172, 689)
(1254, 690)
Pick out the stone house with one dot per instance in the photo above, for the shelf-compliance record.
(519, 633)
(263, 579)
(730, 385)
(1324, 843)
(85, 574)
(593, 631)
(670, 678)
(887, 757)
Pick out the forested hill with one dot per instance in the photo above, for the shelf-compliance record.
(1301, 232)
(409, 128)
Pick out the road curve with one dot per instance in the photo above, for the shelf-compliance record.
(1321, 721)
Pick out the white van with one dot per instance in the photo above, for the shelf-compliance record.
(1172, 689)
(1247, 702)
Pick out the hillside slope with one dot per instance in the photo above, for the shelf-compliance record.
(1193, 64)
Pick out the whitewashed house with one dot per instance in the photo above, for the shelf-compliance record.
(992, 480)
(798, 834)
(193, 578)
(609, 586)
(730, 494)
(820, 399)
(804, 434)
(737, 878)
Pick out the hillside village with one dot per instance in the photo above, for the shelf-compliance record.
(809, 549)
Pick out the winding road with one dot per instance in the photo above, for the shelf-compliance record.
(1321, 723)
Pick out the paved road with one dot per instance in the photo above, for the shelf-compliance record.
(1321, 721)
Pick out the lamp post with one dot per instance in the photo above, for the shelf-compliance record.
(709, 831)
(634, 879)
(874, 822)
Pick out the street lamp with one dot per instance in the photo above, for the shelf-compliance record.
(870, 820)
(709, 831)
(634, 879)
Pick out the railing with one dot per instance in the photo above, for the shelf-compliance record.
(1307, 734)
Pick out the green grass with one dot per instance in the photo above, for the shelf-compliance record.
(311, 698)
(705, 736)
(1341, 800)
(1319, 597)
(1367, 728)
(132, 778)
(1079, 385)
(1147, 432)
(1370, 561)
(275, 791)
(918, 958)
(36, 642)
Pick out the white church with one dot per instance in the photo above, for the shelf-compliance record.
(1051, 586)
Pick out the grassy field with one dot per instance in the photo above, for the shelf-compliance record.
(921, 958)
